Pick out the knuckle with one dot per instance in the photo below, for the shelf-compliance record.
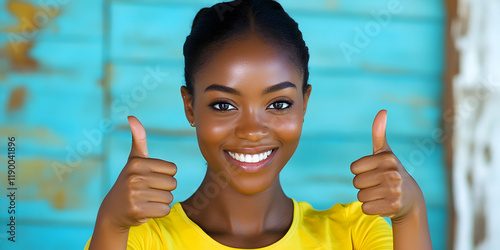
(132, 161)
(135, 211)
(134, 179)
(397, 191)
(395, 205)
(134, 195)
(390, 159)
(393, 176)
(134, 164)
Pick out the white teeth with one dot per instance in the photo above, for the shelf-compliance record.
(250, 158)
(255, 158)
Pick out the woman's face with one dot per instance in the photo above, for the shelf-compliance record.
(248, 109)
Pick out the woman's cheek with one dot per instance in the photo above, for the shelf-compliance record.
(211, 133)
(288, 128)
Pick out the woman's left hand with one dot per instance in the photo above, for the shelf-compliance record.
(385, 188)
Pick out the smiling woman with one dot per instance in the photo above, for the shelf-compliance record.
(246, 93)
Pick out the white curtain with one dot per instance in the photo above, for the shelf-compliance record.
(476, 139)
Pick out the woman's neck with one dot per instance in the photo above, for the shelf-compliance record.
(219, 209)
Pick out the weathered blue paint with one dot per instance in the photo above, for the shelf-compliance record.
(101, 61)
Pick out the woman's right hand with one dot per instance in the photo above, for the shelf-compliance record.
(143, 188)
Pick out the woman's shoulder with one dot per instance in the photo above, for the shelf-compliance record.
(176, 214)
(156, 232)
(343, 214)
(338, 210)
(347, 224)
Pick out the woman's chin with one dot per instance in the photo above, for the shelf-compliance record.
(250, 186)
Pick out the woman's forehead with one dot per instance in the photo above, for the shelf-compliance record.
(248, 60)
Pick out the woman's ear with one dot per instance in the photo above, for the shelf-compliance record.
(307, 93)
(187, 98)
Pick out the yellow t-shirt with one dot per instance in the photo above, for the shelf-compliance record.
(343, 226)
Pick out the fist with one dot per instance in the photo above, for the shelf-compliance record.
(143, 188)
(385, 188)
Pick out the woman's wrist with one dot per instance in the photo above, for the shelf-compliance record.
(411, 230)
(107, 235)
(416, 211)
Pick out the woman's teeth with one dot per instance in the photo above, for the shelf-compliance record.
(249, 157)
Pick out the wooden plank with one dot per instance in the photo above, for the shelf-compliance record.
(67, 75)
(346, 44)
(346, 104)
(49, 236)
(425, 9)
(53, 19)
(148, 32)
(74, 198)
(157, 33)
(411, 9)
(150, 91)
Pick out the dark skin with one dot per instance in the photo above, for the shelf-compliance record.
(252, 211)
(248, 99)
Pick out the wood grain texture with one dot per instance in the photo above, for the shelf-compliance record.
(95, 62)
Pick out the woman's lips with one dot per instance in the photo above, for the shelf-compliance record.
(251, 162)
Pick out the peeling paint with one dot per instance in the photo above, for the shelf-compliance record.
(332, 4)
(41, 135)
(476, 167)
(30, 19)
(39, 183)
(29, 16)
(18, 56)
(16, 99)
(416, 102)
(479, 225)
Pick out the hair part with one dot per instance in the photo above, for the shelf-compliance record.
(214, 27)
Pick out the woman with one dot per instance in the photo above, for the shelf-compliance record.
(246, 72)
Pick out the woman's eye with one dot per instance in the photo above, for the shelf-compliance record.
(223, 106)
(280, 105)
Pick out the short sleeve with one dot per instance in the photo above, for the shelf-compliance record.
(139, 238)
(369, 231)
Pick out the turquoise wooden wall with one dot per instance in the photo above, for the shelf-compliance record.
(71, 71)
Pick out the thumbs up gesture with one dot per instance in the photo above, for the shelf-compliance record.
(143, 188)
(385, 188)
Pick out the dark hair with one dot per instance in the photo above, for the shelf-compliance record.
(215, 25)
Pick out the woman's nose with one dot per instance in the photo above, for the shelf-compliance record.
(252, 127)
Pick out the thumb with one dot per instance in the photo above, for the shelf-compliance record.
(139, 142)
(378, 133)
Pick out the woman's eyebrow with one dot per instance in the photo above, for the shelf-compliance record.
(217, 87)
(279, 86)
(276, 87)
